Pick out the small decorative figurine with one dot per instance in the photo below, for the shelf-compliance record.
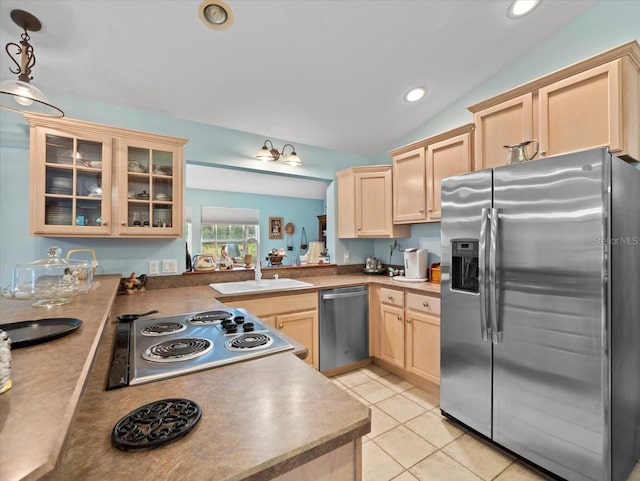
(133, 284)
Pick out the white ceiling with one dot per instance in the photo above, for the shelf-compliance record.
(327, 73)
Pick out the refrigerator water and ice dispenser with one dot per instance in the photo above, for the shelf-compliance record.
(464, 265)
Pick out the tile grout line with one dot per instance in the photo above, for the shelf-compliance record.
(404, 423)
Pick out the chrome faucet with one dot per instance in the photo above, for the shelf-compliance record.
(257, 270)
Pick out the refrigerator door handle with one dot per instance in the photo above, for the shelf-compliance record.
(482, 274)
(496, 331)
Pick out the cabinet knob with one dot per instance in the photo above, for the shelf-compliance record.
(280, 326)
(399, 318)
(408, 321)
(543, 153)
(421, 210)
(390, 298)
(105, 223)
(425, 304)
(430, 210)
(123, 223)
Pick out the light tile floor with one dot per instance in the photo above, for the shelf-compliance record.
(411, 441)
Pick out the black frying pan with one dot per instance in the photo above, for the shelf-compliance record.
(133, 317)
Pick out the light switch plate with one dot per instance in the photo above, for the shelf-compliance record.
(169, 266)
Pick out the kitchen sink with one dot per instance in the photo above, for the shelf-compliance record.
(264, 285)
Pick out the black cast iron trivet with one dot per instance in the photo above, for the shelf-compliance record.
(155, 424)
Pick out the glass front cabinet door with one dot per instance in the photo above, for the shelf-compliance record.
(95, 180)
(150, 181)
(71, 188)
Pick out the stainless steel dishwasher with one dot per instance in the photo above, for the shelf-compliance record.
(344, 326)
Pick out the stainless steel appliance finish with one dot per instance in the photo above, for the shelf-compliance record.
(543, 355)
(344, 326)
(213, 346)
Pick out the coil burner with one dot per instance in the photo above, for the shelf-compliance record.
(248, 342)
(209, 317)
(181, 349)
(163, 329)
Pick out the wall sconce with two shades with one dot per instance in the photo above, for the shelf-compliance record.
(270, 154)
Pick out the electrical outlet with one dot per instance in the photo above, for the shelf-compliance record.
(169, 266)
(154, 268)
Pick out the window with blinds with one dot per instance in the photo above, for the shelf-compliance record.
(231, 229)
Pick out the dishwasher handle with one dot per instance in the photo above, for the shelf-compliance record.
(343, 295)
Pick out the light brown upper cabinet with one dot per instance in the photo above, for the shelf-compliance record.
(585, 111)
(418, 170)
(92, 180)
(410, 187)
(365, 203)
(593, 103)
(507, 123)
(445, 159)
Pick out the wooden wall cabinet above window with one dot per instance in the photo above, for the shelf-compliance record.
(593, 103)
(365, 203)
(92, 180)
(418, 170)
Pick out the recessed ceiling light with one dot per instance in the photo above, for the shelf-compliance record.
(215, 14)
(415, 94)
(519, 8)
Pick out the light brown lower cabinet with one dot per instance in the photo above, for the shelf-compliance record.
(405, 331)
(295, 315)
(422, 339)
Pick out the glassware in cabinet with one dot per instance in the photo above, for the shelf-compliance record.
(84, 175)
(68, 185)
(152, 195)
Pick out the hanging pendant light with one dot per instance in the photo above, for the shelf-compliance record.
(21, 95)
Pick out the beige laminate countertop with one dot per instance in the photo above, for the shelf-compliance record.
(260, 417)
(48, 381)
(341, 280)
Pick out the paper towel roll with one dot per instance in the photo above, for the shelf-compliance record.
(315, 249)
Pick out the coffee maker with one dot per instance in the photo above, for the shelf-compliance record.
(415, 263)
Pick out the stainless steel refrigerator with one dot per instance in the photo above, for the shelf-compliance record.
(541, 311)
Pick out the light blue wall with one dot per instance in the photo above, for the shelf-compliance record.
(301, 212)
(606, 25)
(207, 144)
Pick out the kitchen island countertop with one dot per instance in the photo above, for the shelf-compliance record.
(260, 418)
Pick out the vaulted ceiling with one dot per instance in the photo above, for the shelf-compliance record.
(321, 72)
